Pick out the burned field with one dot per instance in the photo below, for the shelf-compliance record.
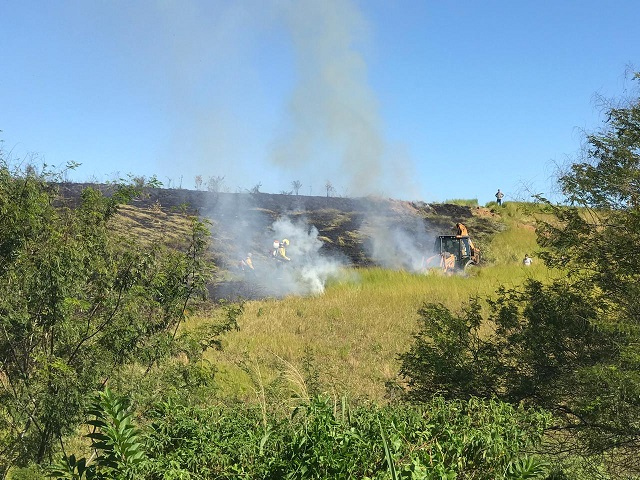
(326, 233)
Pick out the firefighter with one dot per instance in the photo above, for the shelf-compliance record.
(281, 253)
(247, 263)
(461, 230)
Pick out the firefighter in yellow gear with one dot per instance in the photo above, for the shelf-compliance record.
(247, 263)
(281, 252)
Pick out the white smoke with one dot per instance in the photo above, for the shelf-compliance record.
(241, 225)
(308, 271)
(398, 249)
(398, 237)
(332, 106)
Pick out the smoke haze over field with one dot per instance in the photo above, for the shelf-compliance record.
(324, 124)
(330, 130)
(400, 248)
(333, 127)
(398, 237)
(308, 271)
(240, 227)
(386, 233)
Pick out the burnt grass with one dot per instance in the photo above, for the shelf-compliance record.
(345, 226)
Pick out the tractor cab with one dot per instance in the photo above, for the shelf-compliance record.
(455, 252)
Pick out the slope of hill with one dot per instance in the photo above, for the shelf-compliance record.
(325, 232)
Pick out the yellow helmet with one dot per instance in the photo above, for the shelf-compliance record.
(285, 242)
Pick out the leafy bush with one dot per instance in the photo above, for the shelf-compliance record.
(78, 303)
(115, 441)
(468, 439)
(572, 345)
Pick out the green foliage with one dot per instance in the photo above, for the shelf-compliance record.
(77, 303)
(448, 356)
(213, 442)
(32, 472)
(388, 455)
(471, 439)
(184, 371)
(116, 441)
(571, 346)
(595, 241)
(546, 350)
(527, 467)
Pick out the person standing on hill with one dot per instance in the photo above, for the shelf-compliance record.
(499, 196)
(526, 261)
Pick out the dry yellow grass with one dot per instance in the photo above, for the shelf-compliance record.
(354, 331)
(153, 224)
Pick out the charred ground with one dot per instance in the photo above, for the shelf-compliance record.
(348, 227)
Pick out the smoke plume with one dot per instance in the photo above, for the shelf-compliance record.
(398, 237)
(242, 226)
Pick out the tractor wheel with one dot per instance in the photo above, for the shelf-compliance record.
(470, 267)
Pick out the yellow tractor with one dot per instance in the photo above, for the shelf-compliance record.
(453, 252)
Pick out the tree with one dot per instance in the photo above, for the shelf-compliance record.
(138, 180)
(215, 184)
(573, 345)
(329, 187)
(296, 185)
(78, 301)
(198, 181)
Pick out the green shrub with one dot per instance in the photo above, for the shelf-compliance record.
(32, 472)
(462, 439)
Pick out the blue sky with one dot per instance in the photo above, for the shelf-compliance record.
(415, 100)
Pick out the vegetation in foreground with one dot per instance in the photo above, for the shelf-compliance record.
(469, 439)
(570, 346)
(549, 367)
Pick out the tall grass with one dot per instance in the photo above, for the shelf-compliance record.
(519, 238)
(350, 336)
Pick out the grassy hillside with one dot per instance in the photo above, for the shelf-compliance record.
(346, 340)
(349, 336)
(343, 339)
